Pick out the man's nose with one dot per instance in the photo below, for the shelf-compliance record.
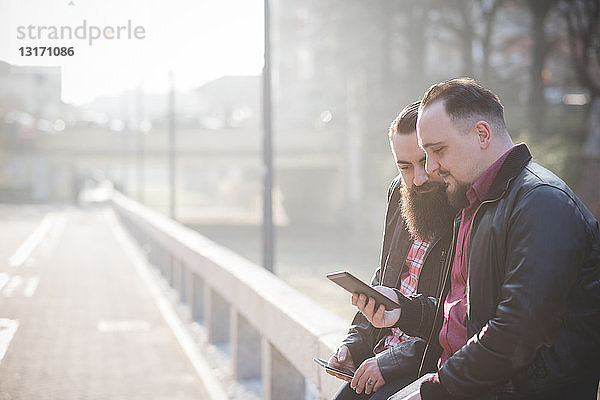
(431, 165)
(420, 177)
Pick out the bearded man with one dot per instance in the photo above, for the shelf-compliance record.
(518, 314)
(416, 237)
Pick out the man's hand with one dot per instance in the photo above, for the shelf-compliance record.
(432, 389)
(342, 359)
(379, 318)
(367, 377)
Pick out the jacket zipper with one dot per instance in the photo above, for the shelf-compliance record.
(447, 274)
(467, 290)
(439, 306)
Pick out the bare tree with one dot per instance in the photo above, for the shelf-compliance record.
(583, 23)
(489, 10)
(456, 17)
(539, 10)
(415, 30)
(463, 20)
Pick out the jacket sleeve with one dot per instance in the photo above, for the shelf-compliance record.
(417, 316)
(545, 245)
(402, 360)
(361, 336)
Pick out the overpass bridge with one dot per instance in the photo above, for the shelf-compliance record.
(120, 302)
(221, 168)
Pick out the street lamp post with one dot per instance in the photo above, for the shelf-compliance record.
(267, 236)
(172, 163)
(140, 145)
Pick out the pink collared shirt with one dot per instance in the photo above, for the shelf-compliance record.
(453, 334)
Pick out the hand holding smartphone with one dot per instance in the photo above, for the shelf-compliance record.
(338, 373)
(354, 285)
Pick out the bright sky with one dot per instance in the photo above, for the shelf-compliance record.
(199, 40)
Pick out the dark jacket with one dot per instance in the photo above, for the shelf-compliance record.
(404, 359)
(533, 291)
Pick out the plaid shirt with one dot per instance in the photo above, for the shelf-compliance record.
(408, 286)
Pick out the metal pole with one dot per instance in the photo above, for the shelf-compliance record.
(140, 145)
(268, 242)
(172, 147)
(125, 143)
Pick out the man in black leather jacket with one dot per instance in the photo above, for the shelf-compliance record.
(526, 255)
(420, 212)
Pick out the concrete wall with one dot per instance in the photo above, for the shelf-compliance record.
(271, 330)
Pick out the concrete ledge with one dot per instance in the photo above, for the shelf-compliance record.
(293, 328)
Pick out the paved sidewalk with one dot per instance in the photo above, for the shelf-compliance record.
(83, 324)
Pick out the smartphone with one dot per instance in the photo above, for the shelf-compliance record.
(327, 367)
(354, 285)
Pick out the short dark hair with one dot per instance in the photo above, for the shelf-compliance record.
(464, 98)
(406, 121)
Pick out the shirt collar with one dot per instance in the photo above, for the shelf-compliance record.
(479, 189)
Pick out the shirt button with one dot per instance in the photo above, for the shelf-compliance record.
(459, 253)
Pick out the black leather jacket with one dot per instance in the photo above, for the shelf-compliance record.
(403, 360)
(533, 290)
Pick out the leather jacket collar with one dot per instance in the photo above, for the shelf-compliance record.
(516, 160)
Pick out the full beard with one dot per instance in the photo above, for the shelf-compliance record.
(426, 214)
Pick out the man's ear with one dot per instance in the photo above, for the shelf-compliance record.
(484, 134)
